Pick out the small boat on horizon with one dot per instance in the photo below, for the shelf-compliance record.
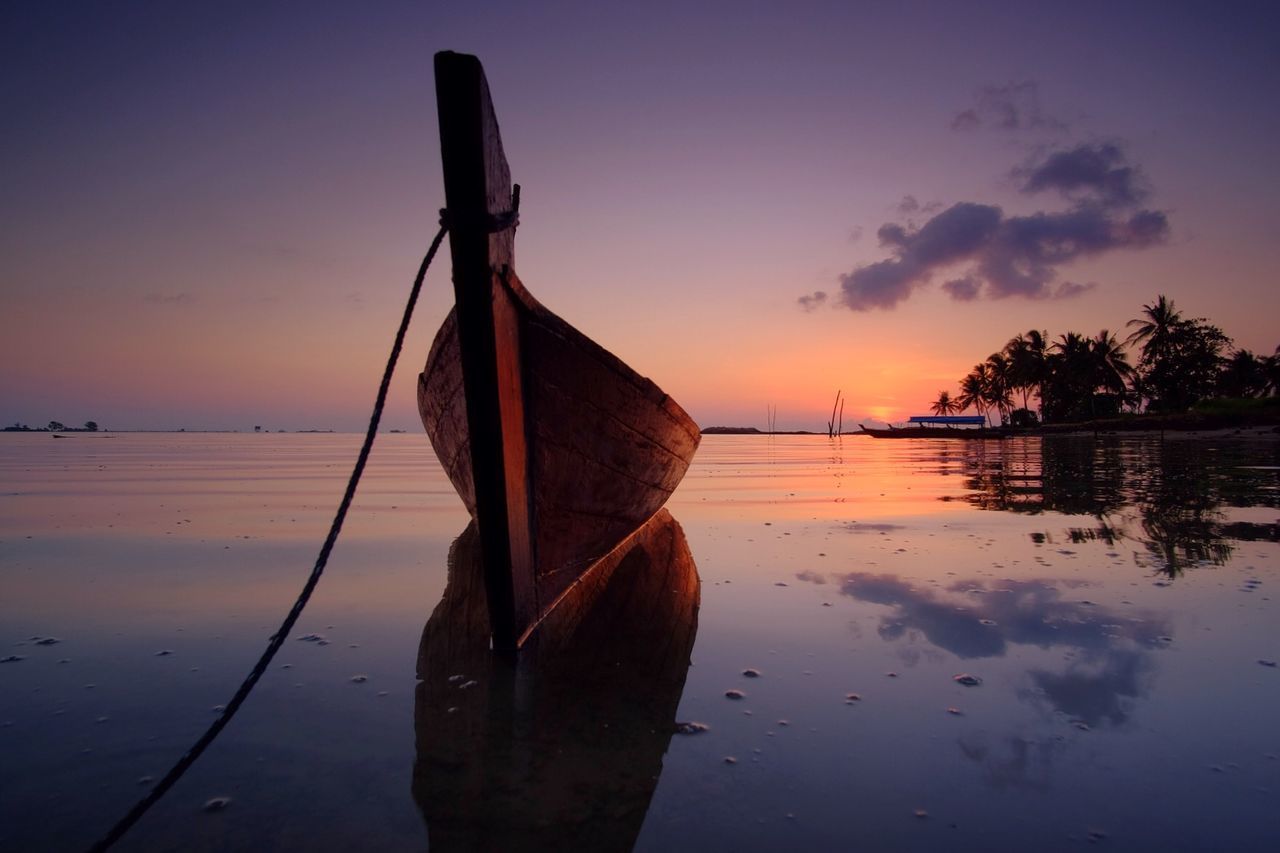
(559, 450)
(940, 426)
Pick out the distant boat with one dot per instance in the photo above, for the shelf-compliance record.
(559, 450)
(940, 426)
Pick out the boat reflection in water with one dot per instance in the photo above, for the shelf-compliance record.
(561, 747)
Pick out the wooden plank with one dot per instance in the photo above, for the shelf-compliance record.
(477, 184)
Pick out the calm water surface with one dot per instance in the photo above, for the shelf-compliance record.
(1113, 597)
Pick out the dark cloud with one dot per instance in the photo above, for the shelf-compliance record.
(1015, 107)
(1015, 255)
(1068, 289)
(964, 289)
(1091, 173)
(811, 301)
(966, 120)
(908, 205)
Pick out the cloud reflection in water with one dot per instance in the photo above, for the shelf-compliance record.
(1110, 653)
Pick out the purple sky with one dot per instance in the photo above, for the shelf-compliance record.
(211, 212)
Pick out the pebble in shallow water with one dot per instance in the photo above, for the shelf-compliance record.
(47, 641)
(1265, 662)
(12, 659)
(359, 679)
(735, 694)
(967, 680)
(215, 804)
(751, 673)
(955, 712)
(850, 698)
(691, 728)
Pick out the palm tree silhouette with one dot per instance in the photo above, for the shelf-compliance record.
(1110, 366)
(944, 405)
(999, 392)
(973, 390)
(1026, 354)
(1154, 332)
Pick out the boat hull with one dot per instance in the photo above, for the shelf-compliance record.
(936, 432)
(605, 446)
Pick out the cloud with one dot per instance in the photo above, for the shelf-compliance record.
(1088, 173)
(811, 301)
(1014, 107)
(855, 234)
(1068, 289)
(1015, 255)
(964, 289)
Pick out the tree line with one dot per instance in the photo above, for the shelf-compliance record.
(53, 426)
(1180, 362)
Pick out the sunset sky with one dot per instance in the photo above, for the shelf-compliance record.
(211, 213)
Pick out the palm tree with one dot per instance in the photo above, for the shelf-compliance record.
(998, 390)
(1069, 377)
(1154, 331)
(1271, 367)
(944, 405)
(1111, 364)
(1243, 375)
(1026, 354)
(971, 391)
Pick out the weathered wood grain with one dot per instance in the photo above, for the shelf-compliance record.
(558, 449)
(605, 446)
(477, 184)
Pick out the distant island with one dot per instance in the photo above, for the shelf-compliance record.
(53, 426)
(731, 430)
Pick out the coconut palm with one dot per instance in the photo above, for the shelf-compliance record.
(971, 390)
(944, 405)
(1068, 377)
(998, 391)
(1243, 375)
(1110, 363)
(1153, 332)
(1271, 368)
(1026, 354)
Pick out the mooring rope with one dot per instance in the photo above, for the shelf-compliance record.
(278, 638)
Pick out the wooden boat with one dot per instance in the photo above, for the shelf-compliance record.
(558, 449)
(561, 748)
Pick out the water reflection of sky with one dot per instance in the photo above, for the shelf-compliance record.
(1114, 597)
(1109, 663)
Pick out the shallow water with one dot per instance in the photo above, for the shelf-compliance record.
(1112, 596)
